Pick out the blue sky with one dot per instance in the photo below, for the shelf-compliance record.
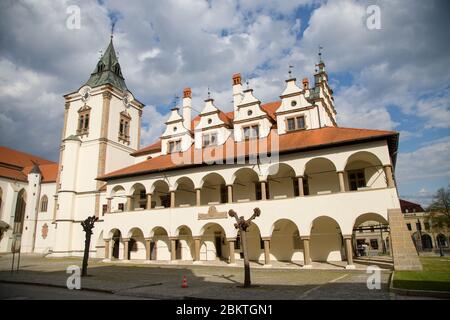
(393, 78)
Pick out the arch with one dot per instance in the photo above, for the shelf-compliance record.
(185, 194)
(370, 229)
(160, 194)
(370, 216)
(364, 169)
(427, 242)
(184, 244)
(213, 242)
(139, 196)
(326, 240)
(116, 243)
(117, 191)
(160, 244)
(246, 185)
(136, 245)
(19, 213)
(285, 242)
(213, 189)
(281, 182)
(43, 204)
(320, 176)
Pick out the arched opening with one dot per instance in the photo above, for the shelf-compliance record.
(364, 170)
(285, 243)
(281, 182)
(138, 197)
(118, 199)
(116, 243)
(19, 213)
(326, 240)
(214, 245)
(427, 243)
(320, 177)
(185, 193)
(246, 186)
(43, 204)
(136, 245)
(161, 195)
(442, 241)
(160, 244)
(255, 243)
(213, 191)
(184, 244)
(370, 234)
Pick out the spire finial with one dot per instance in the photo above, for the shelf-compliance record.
(290, 71)
(113, 24)
(209, 94)
(247, 83)
(320, 53)
(175, 100)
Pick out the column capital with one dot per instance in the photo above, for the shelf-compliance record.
(300, 176)
(265, 238)
(173, 238)
(148, 239)
(387, 165)
(107, 239)
(340, 171)
(231, 239)
(126, 239)
(109, 198)
(305, 237)
(197, 238)
(149, 193)
(347, 236)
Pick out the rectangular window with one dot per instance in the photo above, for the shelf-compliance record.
(104, 208)
(121, 206)
(209, 139)
(374, 244)
(251, 132)
(175, 146)
(356, 179)
(296, 123)
(83, 120)
(124, 127)
(408, 225)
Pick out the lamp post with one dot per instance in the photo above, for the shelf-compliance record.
(242, 225)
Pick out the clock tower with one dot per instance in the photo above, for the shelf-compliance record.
(102, 122)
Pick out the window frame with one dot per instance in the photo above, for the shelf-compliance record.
(43, 207)
(356, 179)
(84, 117)
(175, 143)
(208, 137)
(295, 120)
(251, 130)
(124, 127)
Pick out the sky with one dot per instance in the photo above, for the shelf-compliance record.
(393, 77)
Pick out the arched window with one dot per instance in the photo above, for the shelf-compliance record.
(124, 127)
(44, 203)
(83, 120)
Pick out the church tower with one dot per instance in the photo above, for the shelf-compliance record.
(102, 122)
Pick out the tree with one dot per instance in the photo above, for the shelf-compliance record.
(242, 225)
(439, 211)
(87, 225)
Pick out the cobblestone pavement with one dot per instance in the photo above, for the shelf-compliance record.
(204, 282)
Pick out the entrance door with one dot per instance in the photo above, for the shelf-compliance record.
(115, 253)
(218, 243)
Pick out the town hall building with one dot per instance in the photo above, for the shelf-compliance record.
(313, 181)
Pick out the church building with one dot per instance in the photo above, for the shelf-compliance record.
(313, 181)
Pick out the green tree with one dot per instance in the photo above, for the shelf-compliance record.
(439, 210)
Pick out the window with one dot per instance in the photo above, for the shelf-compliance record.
(83, 120)
(427, 225)
(356, 179)
(293, 103)
(174, 146)
(104, 208)
(121, 206)
(408, 225)
(296, 123)
(251, 132)
(374, 244)
(209, 139)
(124, 127)
(165, 200)
(418, 226)
(44, 204)
(372, 229)
(305, 186)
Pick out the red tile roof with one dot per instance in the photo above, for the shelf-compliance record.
(290, 142)
(16, 165)
(410, 207)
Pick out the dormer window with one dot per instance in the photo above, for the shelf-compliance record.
(124, 127)
(251, 132)
(209, 139)
(174, 146)
(83, 120)
(296, 123)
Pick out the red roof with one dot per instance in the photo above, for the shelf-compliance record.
(16, 165)
(289, 142)
(410, 207)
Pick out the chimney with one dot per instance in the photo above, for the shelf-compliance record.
(187, 109)
(237, 90)
(305, 82)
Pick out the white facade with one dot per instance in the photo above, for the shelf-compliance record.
(310, 198)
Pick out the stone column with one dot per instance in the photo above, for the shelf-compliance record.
(173, 249)
(149, 201)
(147, 248)
(349, 251)
(197, 196)
(230, 193)
(306, 255)
(263, 191)
(107, 250)
(389, 176)
(129, 203)
(266, 251)
(197, 249)
(301, 192)
(172, 199)
(341, 181)
(108, 205)
(231, 242)
(125, 248)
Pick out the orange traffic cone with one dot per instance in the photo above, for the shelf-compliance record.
(184, 283)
